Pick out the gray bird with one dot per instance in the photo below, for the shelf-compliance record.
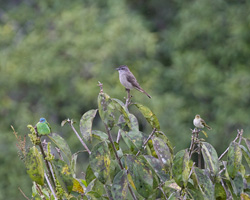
(128, 80)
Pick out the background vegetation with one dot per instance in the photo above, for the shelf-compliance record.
(190, 56)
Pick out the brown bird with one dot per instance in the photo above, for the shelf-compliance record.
(128, 80)
(200, 123)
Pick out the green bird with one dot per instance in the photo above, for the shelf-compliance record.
(43, 127)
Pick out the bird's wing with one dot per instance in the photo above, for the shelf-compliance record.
(48, 125)
(131, 78)
(203, 122)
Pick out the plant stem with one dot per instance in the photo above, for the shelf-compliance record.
(83, 144)
(128, 98)
(23, 193)
(51, 188)
(117, 157)
(145, 143)
(47, 165)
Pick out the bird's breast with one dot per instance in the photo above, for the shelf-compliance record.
(124, 81)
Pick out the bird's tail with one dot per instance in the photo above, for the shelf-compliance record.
(208, 127)
(143, 91)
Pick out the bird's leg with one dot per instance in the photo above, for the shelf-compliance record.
(128, 99)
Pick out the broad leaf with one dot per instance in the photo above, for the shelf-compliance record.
(86, 124)
(77, 187)
(181, 168)
(123, 110)
(89, 175)
(219, 191)
(163, 152)
(210, 157)
(133, 139)
(247, 141)
(63, 174)
(61, 144)
(119, 187)
(234, 157)
(106, 109)
(134, 122)
(100, 135)
(100, 161)
(205, 184)
(141, 175)
(149, 115)
(34, 165)
(237, 184)
(158, 167)
(246, 154)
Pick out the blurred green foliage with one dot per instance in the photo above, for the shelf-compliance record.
(190, 56)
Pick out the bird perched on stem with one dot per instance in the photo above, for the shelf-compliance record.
(200, 123)
(128, 80)
(43, 127)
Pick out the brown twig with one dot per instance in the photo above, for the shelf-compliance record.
(145, 143)
(73, 128)
(239, 135)
(40, 191)
(23, 193)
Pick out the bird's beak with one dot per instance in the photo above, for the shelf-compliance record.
(118, 68)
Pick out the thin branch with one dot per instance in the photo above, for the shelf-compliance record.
(73, 128)
(239, 135)
(40, 191)
(23, 193)
(191, 171)
(117, 157)
(163, 193)
(100, 85)
(51, 188)
(145, 143)
(46, 161)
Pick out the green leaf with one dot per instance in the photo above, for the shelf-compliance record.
(134, 122)
(141, 175)
(73, 162)
(100, 161)
(247, 141)
(34, 165)
(210, 157)
(133, 139)
(106, 109)
(61, 144)
(219, 191)
(158, 167)
(89, 175)
(234, 157)
(86, 124)
(149, 115)
(181, 168)
(246, 154)
(63, 174)
(123, 110)
(205, 184)
(119, 187)
(244, 196)
(100, 135)
(237, 184)
(163, 152)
